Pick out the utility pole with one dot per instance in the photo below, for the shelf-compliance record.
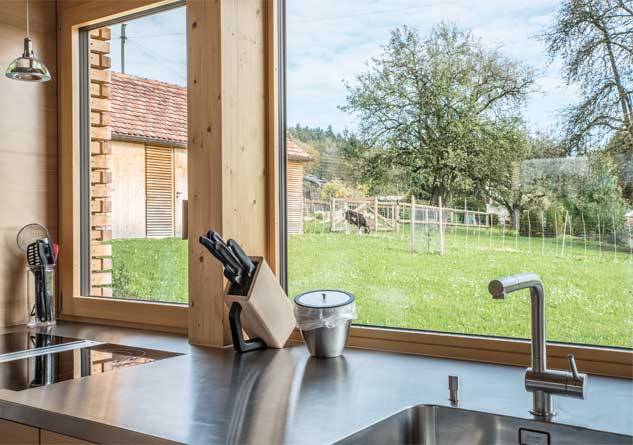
(123, 40)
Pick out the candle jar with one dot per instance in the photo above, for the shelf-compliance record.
(41, 296)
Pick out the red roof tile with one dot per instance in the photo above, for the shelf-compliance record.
(144, 108)
(149, 109)
(296, 153)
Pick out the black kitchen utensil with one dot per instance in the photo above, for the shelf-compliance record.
(48, 259)
(246, 262)
(39, 255)
(46, 254)
(232, 273)
(35, 261)
(231, 260)
(33, 254)
(215, 237)
(210, 245)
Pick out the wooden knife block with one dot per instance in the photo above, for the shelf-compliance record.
(266, 311)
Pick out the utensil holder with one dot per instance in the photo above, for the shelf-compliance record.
(266, 311)
(40, 289)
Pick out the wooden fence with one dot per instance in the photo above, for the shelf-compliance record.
(389, 215)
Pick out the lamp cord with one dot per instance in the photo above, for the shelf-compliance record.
(28, 33)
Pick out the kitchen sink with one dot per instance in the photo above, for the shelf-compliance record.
(430, 425)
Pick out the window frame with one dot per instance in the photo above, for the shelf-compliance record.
(599, 360)
(74, 19)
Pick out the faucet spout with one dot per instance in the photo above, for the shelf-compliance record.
(502, 286)
(538, 379)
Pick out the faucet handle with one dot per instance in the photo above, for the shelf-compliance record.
(572, 365)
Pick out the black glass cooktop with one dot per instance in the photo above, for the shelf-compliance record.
(46, 369)
(24, 341)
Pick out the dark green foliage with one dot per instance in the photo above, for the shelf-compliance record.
(431, 108)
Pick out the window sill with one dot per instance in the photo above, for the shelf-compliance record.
(590, 359)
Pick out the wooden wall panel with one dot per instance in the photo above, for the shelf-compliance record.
(128, 190)
(28, 147)
(180, 189)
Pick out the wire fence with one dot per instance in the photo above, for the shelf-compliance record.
(439, 229)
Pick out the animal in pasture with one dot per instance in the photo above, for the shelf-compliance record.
(355, 218)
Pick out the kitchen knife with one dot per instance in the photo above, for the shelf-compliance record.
(231, 276)
(246, 262)
(230, 272)
(210, 245)
(215, 237)
(231, 261)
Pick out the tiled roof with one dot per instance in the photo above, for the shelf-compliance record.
(144, 108)
(296, 153)
(149, 109)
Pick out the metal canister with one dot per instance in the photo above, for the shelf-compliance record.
(324, 318)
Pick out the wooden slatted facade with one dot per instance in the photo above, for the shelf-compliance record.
(159, 186)
(295, 196)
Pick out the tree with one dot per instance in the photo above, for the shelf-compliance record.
(433, 108)
(595, 40)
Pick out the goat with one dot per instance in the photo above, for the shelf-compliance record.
(358, 219)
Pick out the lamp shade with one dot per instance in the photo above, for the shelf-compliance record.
(28, 67)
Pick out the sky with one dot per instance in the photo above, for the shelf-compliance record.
(331, 41)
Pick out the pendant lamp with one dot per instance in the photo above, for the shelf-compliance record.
(27, 67)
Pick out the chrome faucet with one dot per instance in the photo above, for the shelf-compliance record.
(539, 380)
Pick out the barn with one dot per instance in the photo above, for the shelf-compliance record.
(149, 161)
(149, 157)
(296, 159)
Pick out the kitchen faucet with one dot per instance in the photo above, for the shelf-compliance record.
(539, 380)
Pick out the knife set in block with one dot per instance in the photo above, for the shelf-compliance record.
(262, 310)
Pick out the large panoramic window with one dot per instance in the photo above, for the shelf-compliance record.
(134, 158)
(433, 147)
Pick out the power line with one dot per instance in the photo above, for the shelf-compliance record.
(159, 60)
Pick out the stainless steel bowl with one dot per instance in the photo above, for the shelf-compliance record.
(327, 342)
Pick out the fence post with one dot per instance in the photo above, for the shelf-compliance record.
(332, 202)
(412, 223)
(376, 213)
(441, 222)
(397, 216)
(564, 232)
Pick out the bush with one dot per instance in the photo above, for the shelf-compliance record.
(335, 189)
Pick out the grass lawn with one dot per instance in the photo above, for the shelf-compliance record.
(589, 299)
(150, 269)
(589, 296)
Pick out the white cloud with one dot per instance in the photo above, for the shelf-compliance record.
(330, 40)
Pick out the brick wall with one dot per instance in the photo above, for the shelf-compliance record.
(100, 169)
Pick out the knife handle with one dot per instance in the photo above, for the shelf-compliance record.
(215, 237)
(230, 260)
(206, 242)
(241, 255)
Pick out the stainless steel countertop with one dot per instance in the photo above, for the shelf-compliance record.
(280, 396)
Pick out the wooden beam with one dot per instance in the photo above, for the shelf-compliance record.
(228, 144)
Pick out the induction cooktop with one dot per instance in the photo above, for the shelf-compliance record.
(46, 369)
(24, 341)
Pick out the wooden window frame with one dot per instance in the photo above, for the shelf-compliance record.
(605, 361)
(73, 15)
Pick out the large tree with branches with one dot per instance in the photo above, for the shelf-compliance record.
(441, 109)
(595, 40)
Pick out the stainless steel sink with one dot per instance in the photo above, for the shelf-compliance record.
(430, 425)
